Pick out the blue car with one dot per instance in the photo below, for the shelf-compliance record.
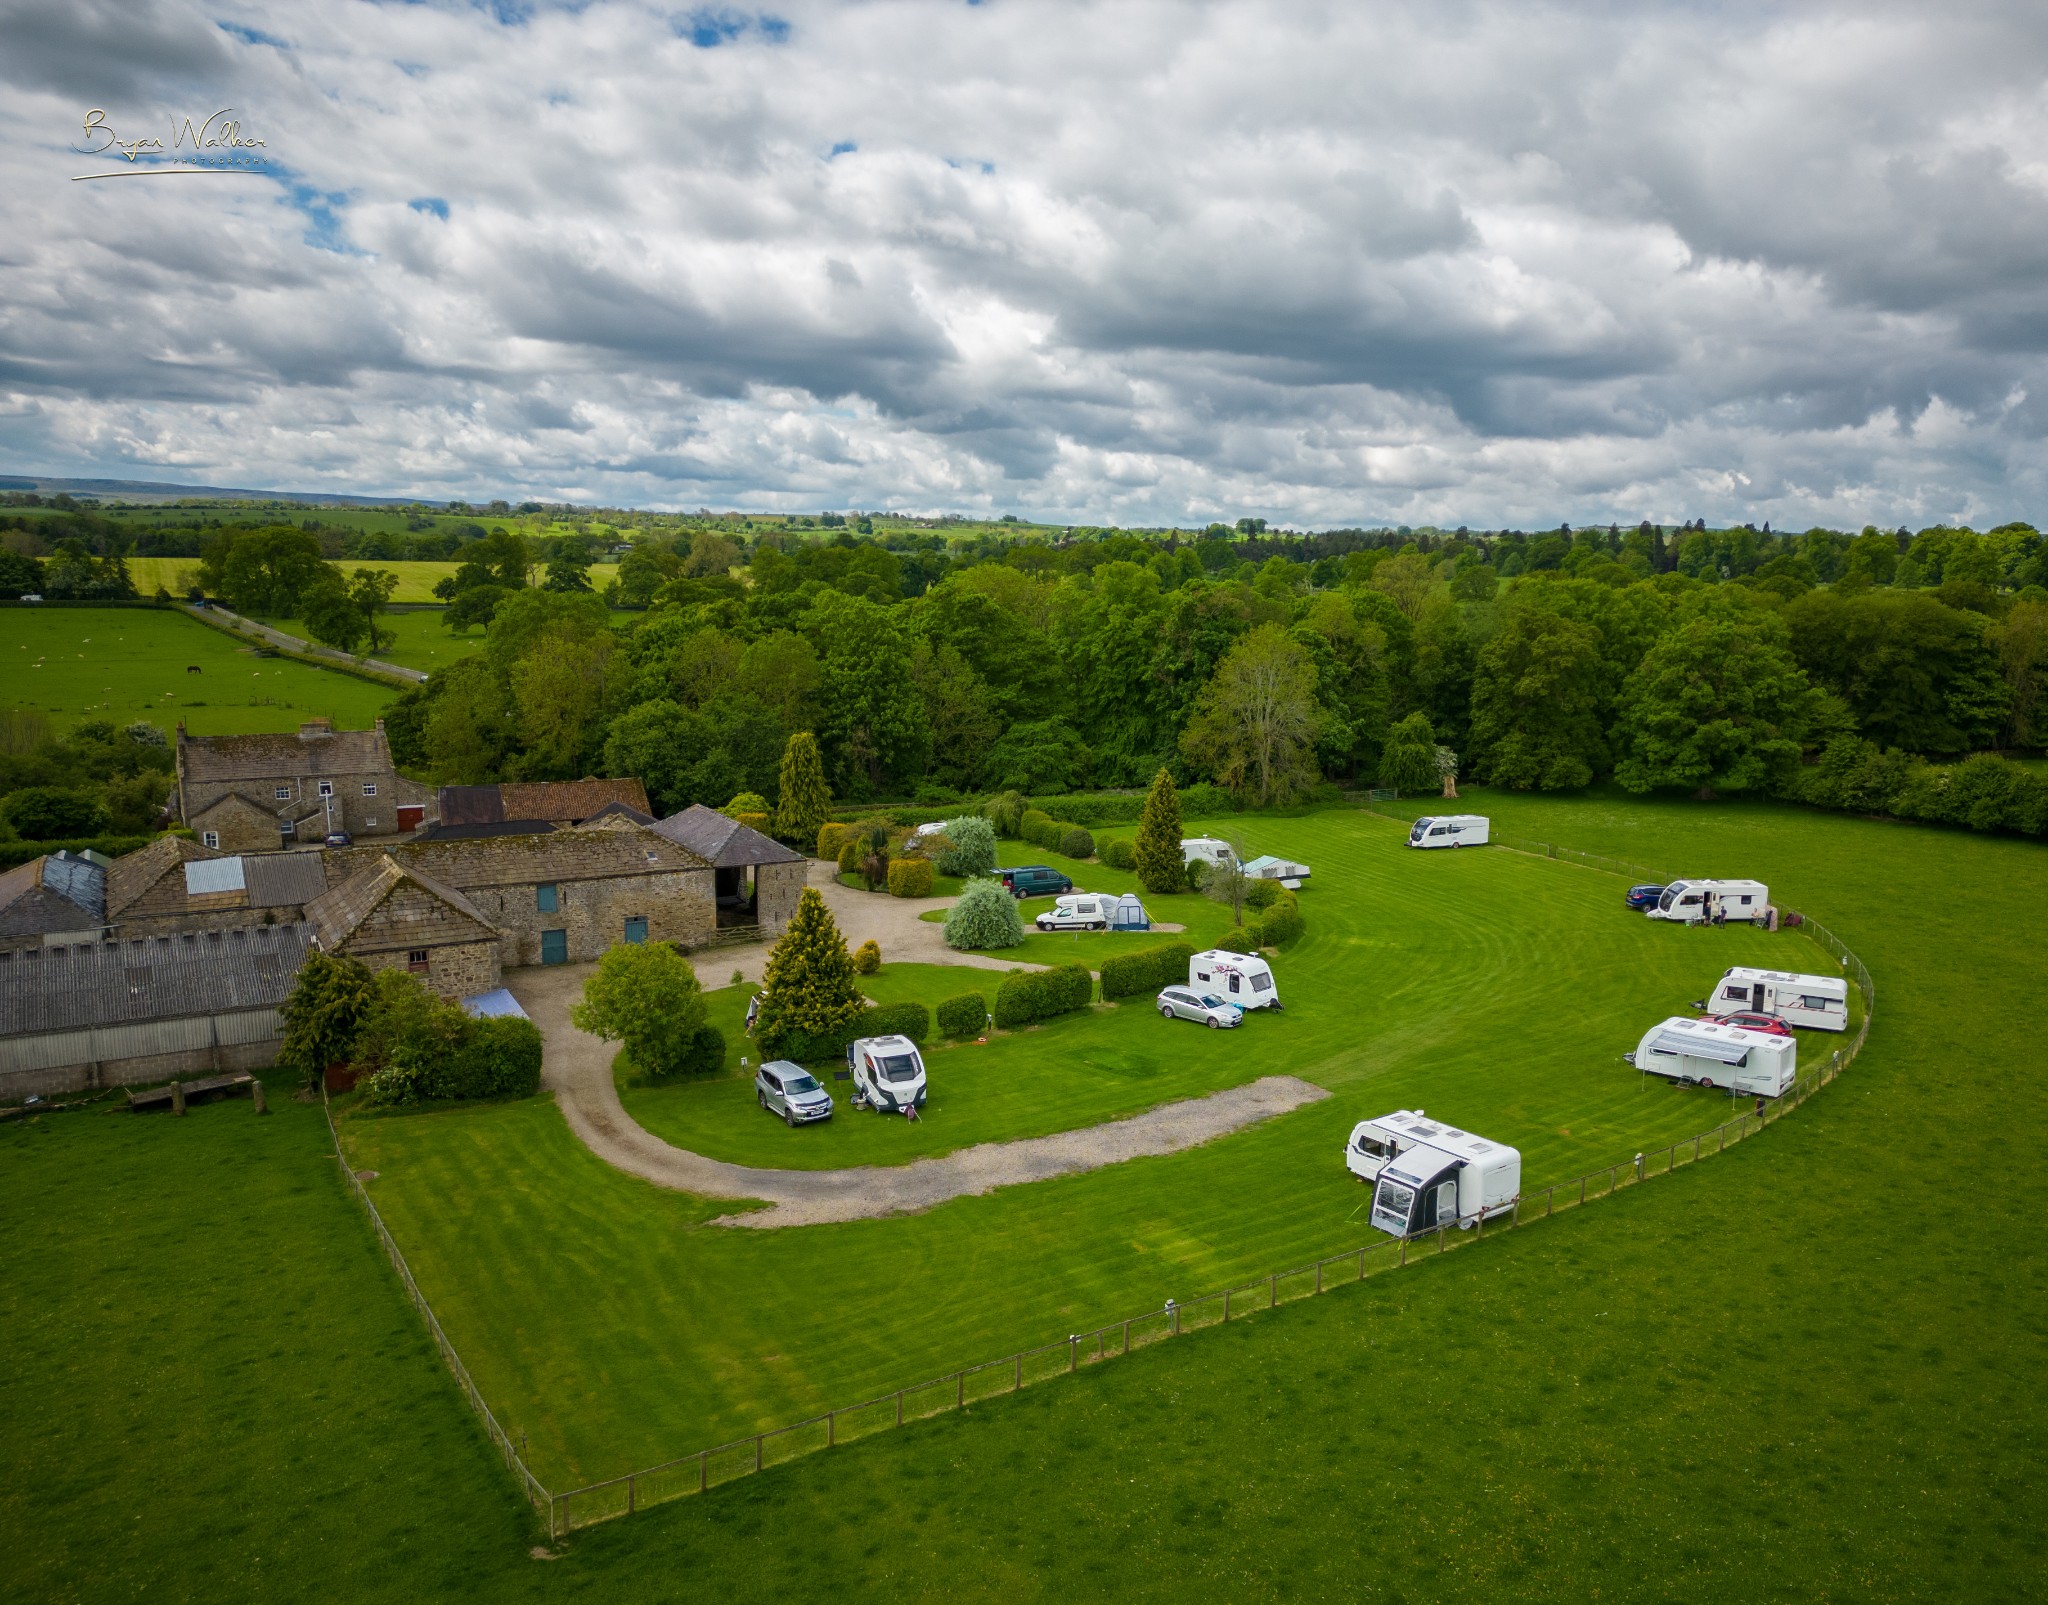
(1642, 897)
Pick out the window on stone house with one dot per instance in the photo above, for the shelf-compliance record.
(416, 961)
(327, 788)
(369, 822)
(210, 838)
(284, 793)
(369, 788)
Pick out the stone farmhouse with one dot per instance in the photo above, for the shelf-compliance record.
(758, 881)
(479, 809)
(261, 792)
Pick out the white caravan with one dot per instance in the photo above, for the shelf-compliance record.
(888, 1074)
(1286, 871)
(1703, 1053)
(1690, 902)
(1374, 1142)
(1207, 849)
(1449, 830)
(1818, 1001)
(1235, 977)
(1451, 1177)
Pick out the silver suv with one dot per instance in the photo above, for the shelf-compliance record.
(791, 1091)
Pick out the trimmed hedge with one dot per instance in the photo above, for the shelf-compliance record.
(831, 838)
(867, 958)
(1037, 827)
(910, 877)
(20, 852)
(1282, 923)
(1077, 843)
(1118, 853)
(1033, 995)
(1130, 974)
(850, 855)
(501, 1059)
(964, 1015)
(1261, 894)
(912, 1020)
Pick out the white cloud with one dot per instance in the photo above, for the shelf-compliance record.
(1476, 263)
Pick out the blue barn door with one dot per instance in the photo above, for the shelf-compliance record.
(554, 947)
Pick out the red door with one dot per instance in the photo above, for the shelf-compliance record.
(410, 815)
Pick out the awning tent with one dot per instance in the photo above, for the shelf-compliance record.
(1719, 1049)
(1129, 914)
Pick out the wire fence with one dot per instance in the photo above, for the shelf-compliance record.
(705, 1469)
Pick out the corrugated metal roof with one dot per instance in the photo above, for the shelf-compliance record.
(208, 876)
(154, 978)
(721, 839)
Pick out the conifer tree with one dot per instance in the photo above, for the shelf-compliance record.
(809, 992)
(804, 801)
(1156, 852)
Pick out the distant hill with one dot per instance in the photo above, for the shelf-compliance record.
(146, 490)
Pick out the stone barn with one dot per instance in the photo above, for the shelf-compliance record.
(758, 879)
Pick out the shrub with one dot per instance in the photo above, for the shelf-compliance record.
(850, 855)
(747, 802)
(831, 838)
(1031, 995)
(1261, 894)
(808, 994)
(970, 847)
(910, 877)
(912, 1020)
(407, 1042)
(1245, 939)
(645, 995)
(1128, 975)
(1069, 987)
(703, 1054)
(1077, 843)
(1156, 854)
(1117, 853)
(1005, 812)
(1034, 825)
(963, 1015)
(1205, 799)
(811, 1047)
(1282, 924)
(984, 917)
(48, 813)
(759, 822)
(1196, 874)
(501, 1059)
(867, 958)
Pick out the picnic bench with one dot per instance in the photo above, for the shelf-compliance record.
(178, 1093)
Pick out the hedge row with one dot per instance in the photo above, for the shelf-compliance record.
(1032, 995)
(964, 1015)
(19, 852)
(1281, 924)
(910, 877)
(1986, 792)
(912, 1020)
(1042, 830)
(1130, 974)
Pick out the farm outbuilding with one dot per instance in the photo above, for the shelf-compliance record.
(121, 1013)
(758, 879)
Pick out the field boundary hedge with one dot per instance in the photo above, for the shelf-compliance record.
(396, 678)
(707, 1468)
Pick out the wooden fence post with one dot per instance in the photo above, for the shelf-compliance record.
(757, 1451)
(831, 1429)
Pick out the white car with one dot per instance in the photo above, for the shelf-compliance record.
(1183, 1003)
(1078, 911)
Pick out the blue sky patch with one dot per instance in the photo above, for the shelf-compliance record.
(251, 36)
(707, 27)
(431, 204)
(845, 147)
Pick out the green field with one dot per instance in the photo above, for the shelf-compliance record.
(128, 663)
(418, 640)
(415, 580)
(1806, 1370)
(1424, 980)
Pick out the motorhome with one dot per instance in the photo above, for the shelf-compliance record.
(1820, 1002)
(1449, 830)
(1708, 1054)
(1451, 1177)
(1236, 977)
(1206, 849)
(888, 1074)
(1373, 1142)
(1690, 902)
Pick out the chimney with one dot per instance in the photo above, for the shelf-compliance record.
(312, 729)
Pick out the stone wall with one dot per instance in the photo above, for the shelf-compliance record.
(454, 970)
(677, 905)
(777, 890)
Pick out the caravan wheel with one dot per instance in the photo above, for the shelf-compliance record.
(1707, 1082)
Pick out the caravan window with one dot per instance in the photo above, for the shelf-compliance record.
(1735, 994)
(1816, 1003)
(1262, 983)
(1233, 981)
(1394, 1200)
(1374, 1148)
(1441, 830)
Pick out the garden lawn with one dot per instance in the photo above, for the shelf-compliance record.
(126, 663)
(1494, 989)
(416, 581)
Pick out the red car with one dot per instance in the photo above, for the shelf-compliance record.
(1769, 1024)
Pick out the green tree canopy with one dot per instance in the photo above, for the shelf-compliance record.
(1717, 705)
(1256, 723)
(1156, 852)
(1536, 695)
(804, 802)
(1408, 762)
(809, 987)
(646, 996)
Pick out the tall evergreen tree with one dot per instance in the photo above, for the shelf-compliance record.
(1157, 849)
(803, 799)
(809, 989)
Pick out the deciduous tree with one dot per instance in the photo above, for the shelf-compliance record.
(645, 995)
(1256, 723)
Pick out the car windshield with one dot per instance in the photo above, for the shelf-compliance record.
(1214, 1002)
(899, 1068)
(800, 1084)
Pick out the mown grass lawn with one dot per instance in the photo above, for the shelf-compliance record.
(128, 663)
(1807, 1370)
(1496, 990)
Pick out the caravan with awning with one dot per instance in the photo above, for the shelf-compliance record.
(1450, 1178)
(1820, 1002)
(1704, 1053)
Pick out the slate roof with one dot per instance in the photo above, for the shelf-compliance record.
(133, 874)
(57, 892)
(283, 880)
(468, 833)
(724, 841)
(563, 801)
(152, 978)
(586, 853)
(619, 811)
(335, 916)
(311, 751)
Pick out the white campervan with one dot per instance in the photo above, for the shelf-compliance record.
(1452, 1176)
(1374, 1142)
(1818, 1001)
(1707, 1054)
(1449, 830)
(1235, 977)
(888, 1074)
(1207, 849)
(1690, 902)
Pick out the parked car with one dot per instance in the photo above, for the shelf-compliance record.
(1183, 1003)
(1034, 880)
(339, 838)
(1642, 897)
(1079, 911)
(1769, 1024)
(791, 1091)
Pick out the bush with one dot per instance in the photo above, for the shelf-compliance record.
(747, 802)
(1005, 812)
(910, 877)
(867, 958)
(1032, 995)
(1261, 894)
(759, 822)
(1245, 939)
(912, 1020)
(645, 995)
(703, 1054)
(813, 1047)
(52, 813)
(964, 1015)
(1196, 874)
(1077, 843)
(1069, 987)
(850, 855)
(1205, 798)
(501, 1059)
(985, 917)
(831, 838)
(970, 849)
(1035, 824)
(1282, 924)
(1117, 853)
(1129, 975)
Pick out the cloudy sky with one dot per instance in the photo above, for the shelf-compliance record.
(1133, 263)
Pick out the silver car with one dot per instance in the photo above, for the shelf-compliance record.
(791, 1091)
(1183, 1003)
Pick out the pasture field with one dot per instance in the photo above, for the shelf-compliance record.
(128, 663)
(1806, 1370)
(413, 640)
(1424, 980)
(415, 580)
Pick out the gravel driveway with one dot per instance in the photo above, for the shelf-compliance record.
(579, 1071)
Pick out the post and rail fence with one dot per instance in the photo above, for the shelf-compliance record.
(705, 1469)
